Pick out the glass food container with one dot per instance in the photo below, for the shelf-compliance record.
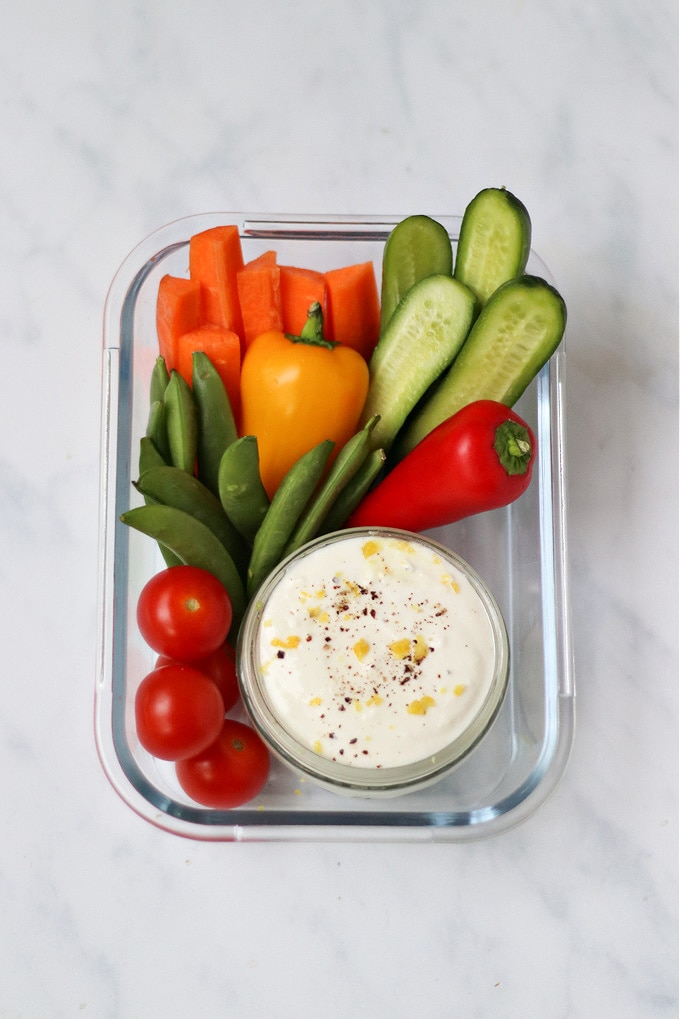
(519, 551)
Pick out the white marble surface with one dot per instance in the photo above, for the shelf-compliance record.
(118, 117)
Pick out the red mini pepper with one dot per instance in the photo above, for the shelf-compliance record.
(479, 459)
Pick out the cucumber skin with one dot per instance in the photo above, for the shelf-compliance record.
(399, 378)
(513, 216)
(464, 382)
(417, 247)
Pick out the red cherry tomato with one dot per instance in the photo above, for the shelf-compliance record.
(184, 612)
(220, 666)
(178, 711)
(230, 772)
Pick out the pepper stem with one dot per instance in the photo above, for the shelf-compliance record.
(312, 331)
(512, 443)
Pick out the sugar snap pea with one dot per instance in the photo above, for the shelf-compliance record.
(344, 467)
(182, 422)
(149, 458)
(241, 490)
(174, 487)
(149, 455)
(157, 428)
(193, 543)
(354, 491)
(215, 417)
(287, 504)
(160, 377)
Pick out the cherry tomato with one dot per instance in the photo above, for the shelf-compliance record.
(178, 711)
(220, 666)
(230, 772)
(184, 612)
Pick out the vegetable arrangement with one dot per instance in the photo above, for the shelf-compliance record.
(286, 403)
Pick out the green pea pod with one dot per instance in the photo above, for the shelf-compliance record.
(174, 487)
(157, 428)
(193, 543)
(353, 492)
(182, 421)
(216, 425)
(345, 466)
(160, 377)
(417, 247)
(241, 490)
(149, 455)
(149, 458)
(287, 504)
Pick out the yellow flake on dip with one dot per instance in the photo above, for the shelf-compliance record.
(375, 700)
(292, 641)
(420, 648)
(319, 614)
(361, 649)
(420, 706)
(459, 689)
(404, 546)
(449, 582)
(400, 648)
(370, 548)
(315, 701)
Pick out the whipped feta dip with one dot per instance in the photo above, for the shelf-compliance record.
(376, 650)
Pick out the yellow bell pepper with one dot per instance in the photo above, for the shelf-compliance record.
(297, 392)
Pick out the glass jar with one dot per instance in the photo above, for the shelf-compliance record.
(372, 661)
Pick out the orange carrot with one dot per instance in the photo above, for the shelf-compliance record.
(259, 291)
(178, 309)
(223, 347)
(353, 307)
(215, 257)
(300, 288)
(267, 258)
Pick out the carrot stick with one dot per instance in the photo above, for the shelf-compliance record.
(267, 258)
(178, 310)
(353, 307)
(259, 291)
(223, 347)
(300, 288)
(215, 257)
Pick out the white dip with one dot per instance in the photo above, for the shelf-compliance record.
(375, 652)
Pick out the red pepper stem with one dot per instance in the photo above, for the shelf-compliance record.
(512, 443)
(312, 331)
